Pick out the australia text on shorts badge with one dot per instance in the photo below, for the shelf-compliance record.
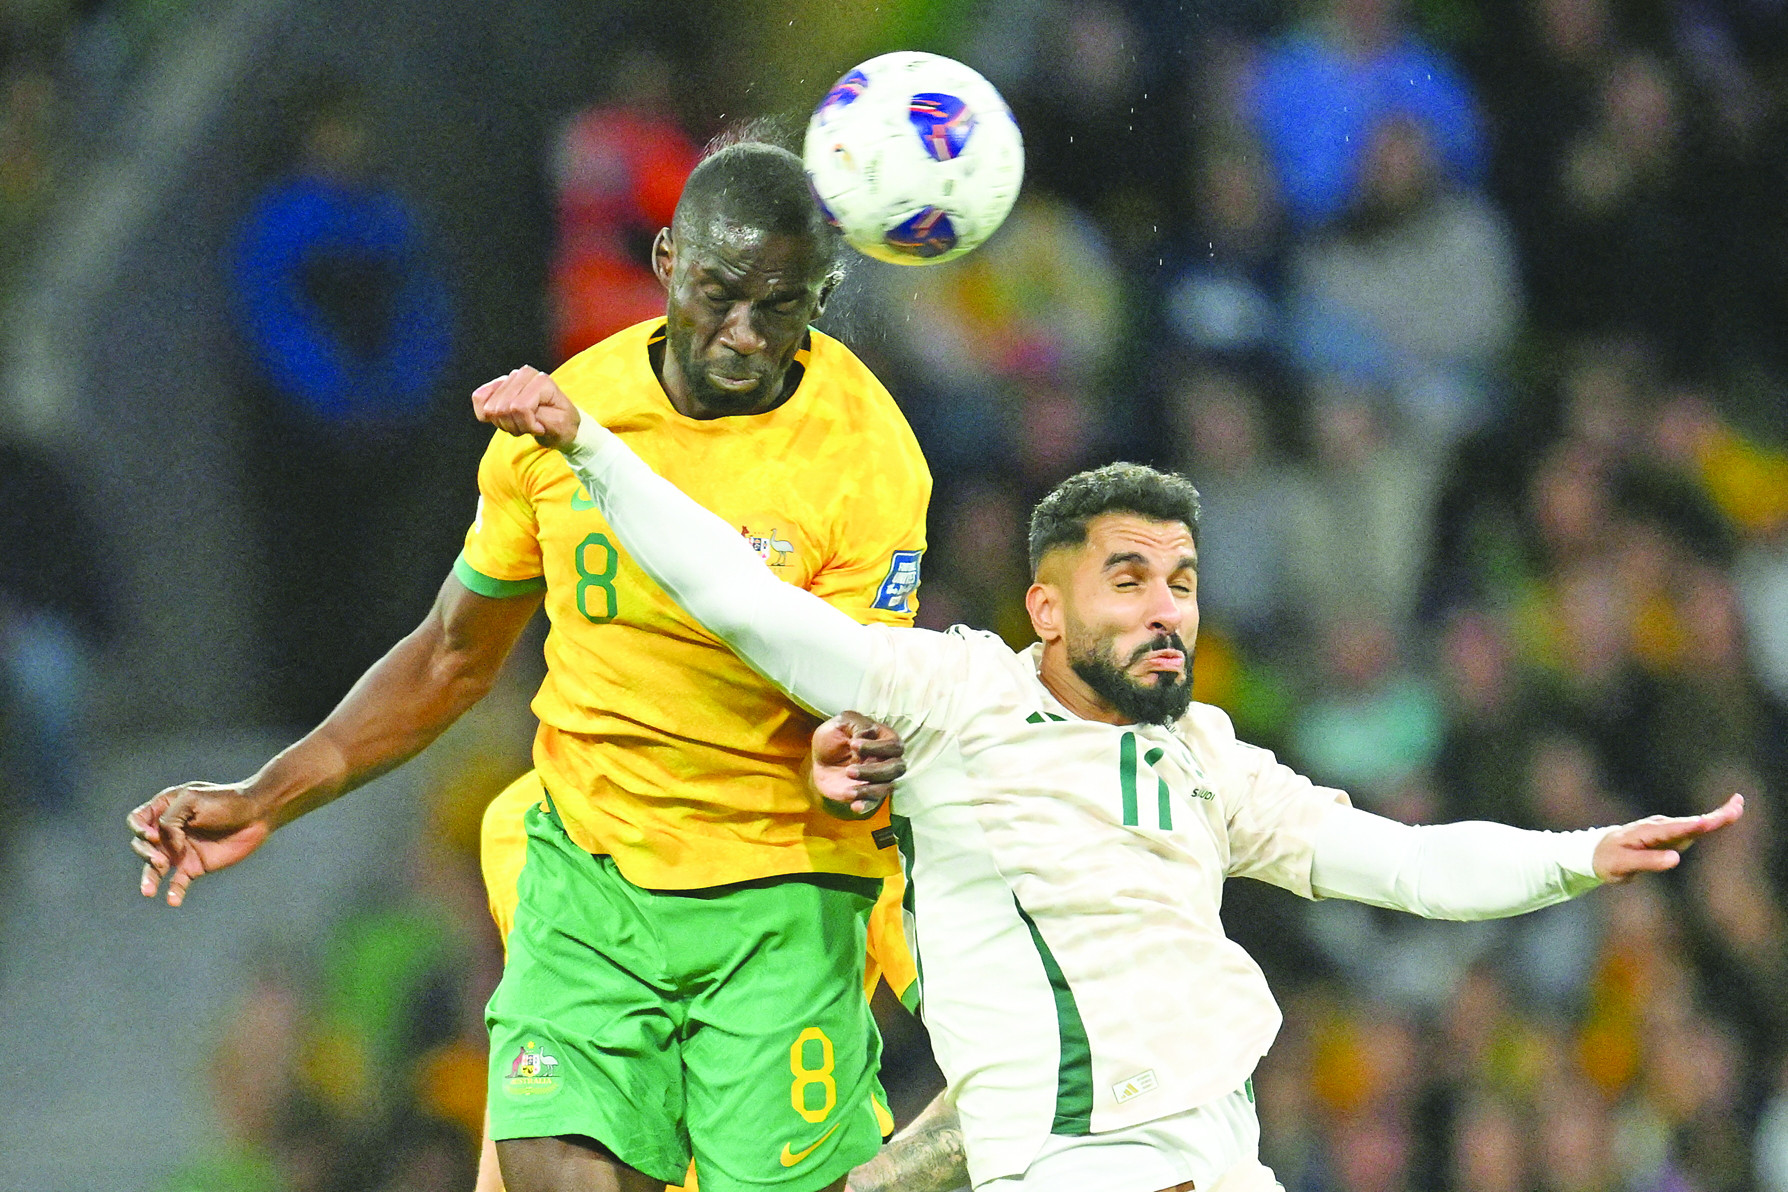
(534, 1072)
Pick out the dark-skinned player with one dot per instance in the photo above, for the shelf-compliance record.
(685, 964)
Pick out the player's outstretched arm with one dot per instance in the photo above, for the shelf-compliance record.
(406, 700)
(1477, 870)
(927, 1156)
(809, 649)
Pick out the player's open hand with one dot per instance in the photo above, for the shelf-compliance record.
(855, 764)
(527, 402)
(1656, 843)
(195, 828)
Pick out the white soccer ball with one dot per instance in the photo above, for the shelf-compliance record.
(914, 157)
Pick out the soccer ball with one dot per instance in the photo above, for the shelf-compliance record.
(914, 157)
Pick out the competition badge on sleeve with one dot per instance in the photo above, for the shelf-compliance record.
(902, 582)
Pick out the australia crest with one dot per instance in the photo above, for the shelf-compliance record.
(533, 1072)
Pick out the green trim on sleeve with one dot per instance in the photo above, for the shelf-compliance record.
(496, 589)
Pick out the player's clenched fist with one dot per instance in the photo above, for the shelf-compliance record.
(856, 762)
(195, 828)
(527, 402)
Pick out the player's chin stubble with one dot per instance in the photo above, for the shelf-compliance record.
(711, 398)
(1161, 699)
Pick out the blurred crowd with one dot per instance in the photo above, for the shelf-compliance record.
(63, 67)
(54, 603)
(63, 64)
(1467, 320)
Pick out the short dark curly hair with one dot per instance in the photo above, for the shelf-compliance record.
(1060, 519)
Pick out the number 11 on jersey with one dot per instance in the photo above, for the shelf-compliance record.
(1127, 749)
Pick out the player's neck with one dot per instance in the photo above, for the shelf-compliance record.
(1071, 691)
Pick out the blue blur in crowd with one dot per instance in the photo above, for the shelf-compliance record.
(340, 302)
(1315, 106)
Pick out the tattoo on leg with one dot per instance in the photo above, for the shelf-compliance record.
(925, 1157)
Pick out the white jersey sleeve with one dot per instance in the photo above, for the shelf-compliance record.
(1471, 870)
(908, 678)
(812, 651)
(916, 678)
(1271, 811)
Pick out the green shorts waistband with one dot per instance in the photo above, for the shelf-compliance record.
(841, 883)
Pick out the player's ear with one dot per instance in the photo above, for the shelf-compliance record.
(664, 257)
(1044, 603)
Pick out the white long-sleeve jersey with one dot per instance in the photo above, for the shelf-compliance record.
(1066, 874)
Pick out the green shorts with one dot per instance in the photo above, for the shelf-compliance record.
(728, 1024)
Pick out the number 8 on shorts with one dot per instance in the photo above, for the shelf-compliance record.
(806, 1076)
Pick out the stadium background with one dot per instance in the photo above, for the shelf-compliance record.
(1467, 318)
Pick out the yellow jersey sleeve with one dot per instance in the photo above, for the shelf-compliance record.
(501, 556)
(875, 574)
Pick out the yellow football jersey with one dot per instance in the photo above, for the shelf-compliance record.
(659, 746)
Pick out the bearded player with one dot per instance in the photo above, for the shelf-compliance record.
(685, 964)
(1070, 816)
